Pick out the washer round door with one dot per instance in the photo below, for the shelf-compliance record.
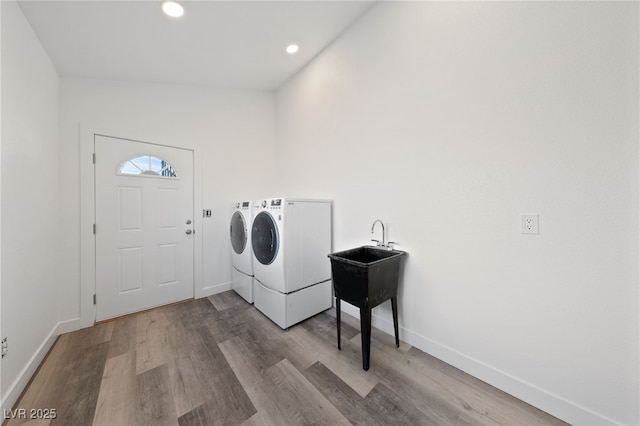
(238, 232)
(264, 238)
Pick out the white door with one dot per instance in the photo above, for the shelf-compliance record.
(144, 226)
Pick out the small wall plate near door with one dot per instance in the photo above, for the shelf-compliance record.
(529, 224)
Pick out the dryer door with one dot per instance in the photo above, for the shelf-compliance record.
(238, 232)
(264, 238)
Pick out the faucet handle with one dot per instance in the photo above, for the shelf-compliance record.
(390, 245)
(378, 243)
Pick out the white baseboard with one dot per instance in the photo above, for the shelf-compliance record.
(68, 326)
(527, 392)
(214, 289)
(16, 388)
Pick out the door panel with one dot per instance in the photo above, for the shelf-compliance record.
(144, 256)
(167, 255)
(168, 200)
(130, 269)
(130, 205)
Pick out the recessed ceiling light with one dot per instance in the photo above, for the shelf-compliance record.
(172, 8)
(292, 48)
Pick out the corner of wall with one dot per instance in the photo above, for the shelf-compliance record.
(20, 383)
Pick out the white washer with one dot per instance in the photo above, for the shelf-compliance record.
(241, 252)
(290, 239)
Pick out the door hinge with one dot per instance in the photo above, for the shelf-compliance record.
(94, 299)
(93, 156)
(94, 229)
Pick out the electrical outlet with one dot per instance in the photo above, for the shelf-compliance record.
(206, 213)
(529, 224)
(5, 347)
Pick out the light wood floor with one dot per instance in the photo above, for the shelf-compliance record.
(218, 360)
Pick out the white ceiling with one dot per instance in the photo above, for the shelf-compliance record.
(238, 44)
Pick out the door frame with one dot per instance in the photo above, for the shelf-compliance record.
(87, 135)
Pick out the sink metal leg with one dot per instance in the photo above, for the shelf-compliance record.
(365, 332)
(394, 309)
(338, 319)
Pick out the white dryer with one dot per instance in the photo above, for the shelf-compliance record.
(290, 239)
(241, 251)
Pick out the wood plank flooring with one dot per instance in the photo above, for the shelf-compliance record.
(219, 361)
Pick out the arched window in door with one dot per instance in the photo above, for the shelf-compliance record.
(147, 165)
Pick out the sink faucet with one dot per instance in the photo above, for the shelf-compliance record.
(382, 243)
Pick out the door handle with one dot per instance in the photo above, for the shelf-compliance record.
(188, 231)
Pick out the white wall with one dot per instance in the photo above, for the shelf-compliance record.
(231, 131)
(1, 199)
(449, 120)
(30, 208)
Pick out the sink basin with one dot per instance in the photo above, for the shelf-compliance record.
(365, 277)
(366, 273)
(364, 254)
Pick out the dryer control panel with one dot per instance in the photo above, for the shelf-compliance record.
(269, 204)
(244, 205)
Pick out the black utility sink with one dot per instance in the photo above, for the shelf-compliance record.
(365, 277)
